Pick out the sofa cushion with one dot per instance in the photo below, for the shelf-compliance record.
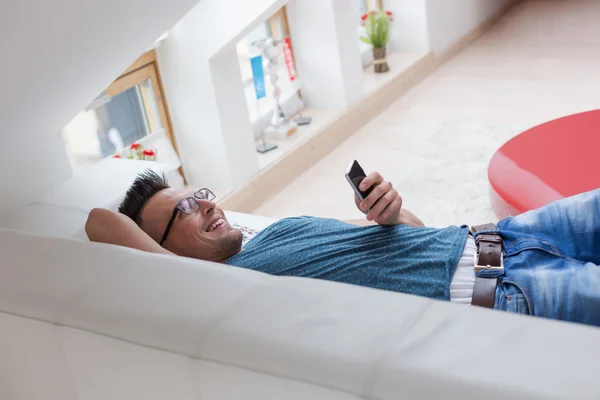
(62, 210)
(364, 342)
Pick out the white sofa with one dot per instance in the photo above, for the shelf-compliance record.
(80, 320)
(62, 210)
(83, 321)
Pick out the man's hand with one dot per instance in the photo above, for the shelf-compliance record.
(384, 203)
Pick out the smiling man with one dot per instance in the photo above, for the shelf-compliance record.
(184, 221)
(543, 263)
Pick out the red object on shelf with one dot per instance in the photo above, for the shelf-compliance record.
(557, 159)
(288, 56)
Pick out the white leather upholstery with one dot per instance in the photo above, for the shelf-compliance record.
(62, 210)
(81, 320)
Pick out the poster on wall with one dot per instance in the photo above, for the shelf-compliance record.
(288, 56)
(258, 75)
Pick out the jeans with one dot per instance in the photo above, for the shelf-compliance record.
(551, 261)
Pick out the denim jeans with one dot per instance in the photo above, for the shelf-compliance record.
(551, 261)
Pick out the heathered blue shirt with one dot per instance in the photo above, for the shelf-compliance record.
(401, 258)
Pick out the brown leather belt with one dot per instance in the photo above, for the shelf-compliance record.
(489, 263)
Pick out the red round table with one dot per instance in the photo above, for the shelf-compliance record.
(551, 161)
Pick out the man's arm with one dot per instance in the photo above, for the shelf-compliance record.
(106, 226)
(406, 217)
(360, 222)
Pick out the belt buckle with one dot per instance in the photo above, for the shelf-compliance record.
(488, 267)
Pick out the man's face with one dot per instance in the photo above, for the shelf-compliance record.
(197, 235)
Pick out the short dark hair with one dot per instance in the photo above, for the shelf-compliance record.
(145, 185)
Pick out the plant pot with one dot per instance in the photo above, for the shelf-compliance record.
(379, 62)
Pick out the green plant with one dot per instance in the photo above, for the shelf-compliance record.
(377, 28)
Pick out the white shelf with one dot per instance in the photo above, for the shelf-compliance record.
(321, 118)
(398, 62)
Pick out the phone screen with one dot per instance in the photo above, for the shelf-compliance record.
(355, 176)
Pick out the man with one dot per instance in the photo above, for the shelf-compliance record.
(542, 263)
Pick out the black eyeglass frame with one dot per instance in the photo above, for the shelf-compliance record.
(210, 196)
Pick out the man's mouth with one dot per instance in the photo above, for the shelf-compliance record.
(218, 223)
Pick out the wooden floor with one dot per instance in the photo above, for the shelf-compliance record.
(540, 62)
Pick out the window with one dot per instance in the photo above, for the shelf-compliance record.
(275, 27)
(363, 7)
(279, 24)
(129, 110)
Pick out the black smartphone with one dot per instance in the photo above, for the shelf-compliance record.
(355, 176)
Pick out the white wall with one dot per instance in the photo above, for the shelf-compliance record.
(190, 94)
(204, 89)
(448, 21)
(409, 29)
(326, 51)
(56, 58)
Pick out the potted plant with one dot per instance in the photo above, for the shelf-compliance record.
(377, 34)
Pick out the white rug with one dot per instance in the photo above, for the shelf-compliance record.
(447, 184)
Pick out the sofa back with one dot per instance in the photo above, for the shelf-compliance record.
(82, 320)
(62, 210)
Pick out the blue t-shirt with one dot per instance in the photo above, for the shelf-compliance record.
(401, 258)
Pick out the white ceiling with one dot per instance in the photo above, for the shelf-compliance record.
(55, 58)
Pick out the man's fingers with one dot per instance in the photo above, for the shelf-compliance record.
(381, 205)
(390, 212)
(374, 178)
(379, 190)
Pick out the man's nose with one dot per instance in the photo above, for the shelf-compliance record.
(206, 206)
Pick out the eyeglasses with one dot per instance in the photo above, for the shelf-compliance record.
(188, 206)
